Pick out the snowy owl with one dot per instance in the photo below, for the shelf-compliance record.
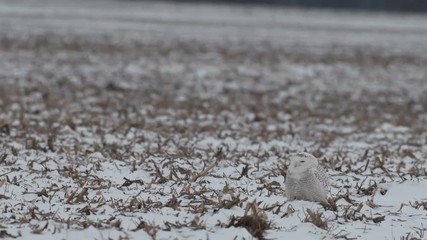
(306, 179)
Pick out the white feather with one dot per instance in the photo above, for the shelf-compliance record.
(306, 179)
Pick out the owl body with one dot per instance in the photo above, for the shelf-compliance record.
(306, 179)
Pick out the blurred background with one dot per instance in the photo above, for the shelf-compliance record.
(305, 71)
(370, 5)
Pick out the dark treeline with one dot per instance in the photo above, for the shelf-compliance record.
(370, 5)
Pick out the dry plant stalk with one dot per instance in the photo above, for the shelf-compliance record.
(256, 223)
(316, 219)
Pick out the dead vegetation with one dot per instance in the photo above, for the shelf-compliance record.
(316, 219)
(254, 220)
(131, 131)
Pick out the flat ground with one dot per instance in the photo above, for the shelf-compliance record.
(136, 120)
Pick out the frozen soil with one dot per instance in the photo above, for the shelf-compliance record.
(166, 121)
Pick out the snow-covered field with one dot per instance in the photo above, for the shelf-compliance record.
(145, 120)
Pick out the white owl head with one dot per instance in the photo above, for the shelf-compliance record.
(301, 162)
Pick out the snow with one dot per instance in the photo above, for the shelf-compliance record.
(165, 121)
(406, 192)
